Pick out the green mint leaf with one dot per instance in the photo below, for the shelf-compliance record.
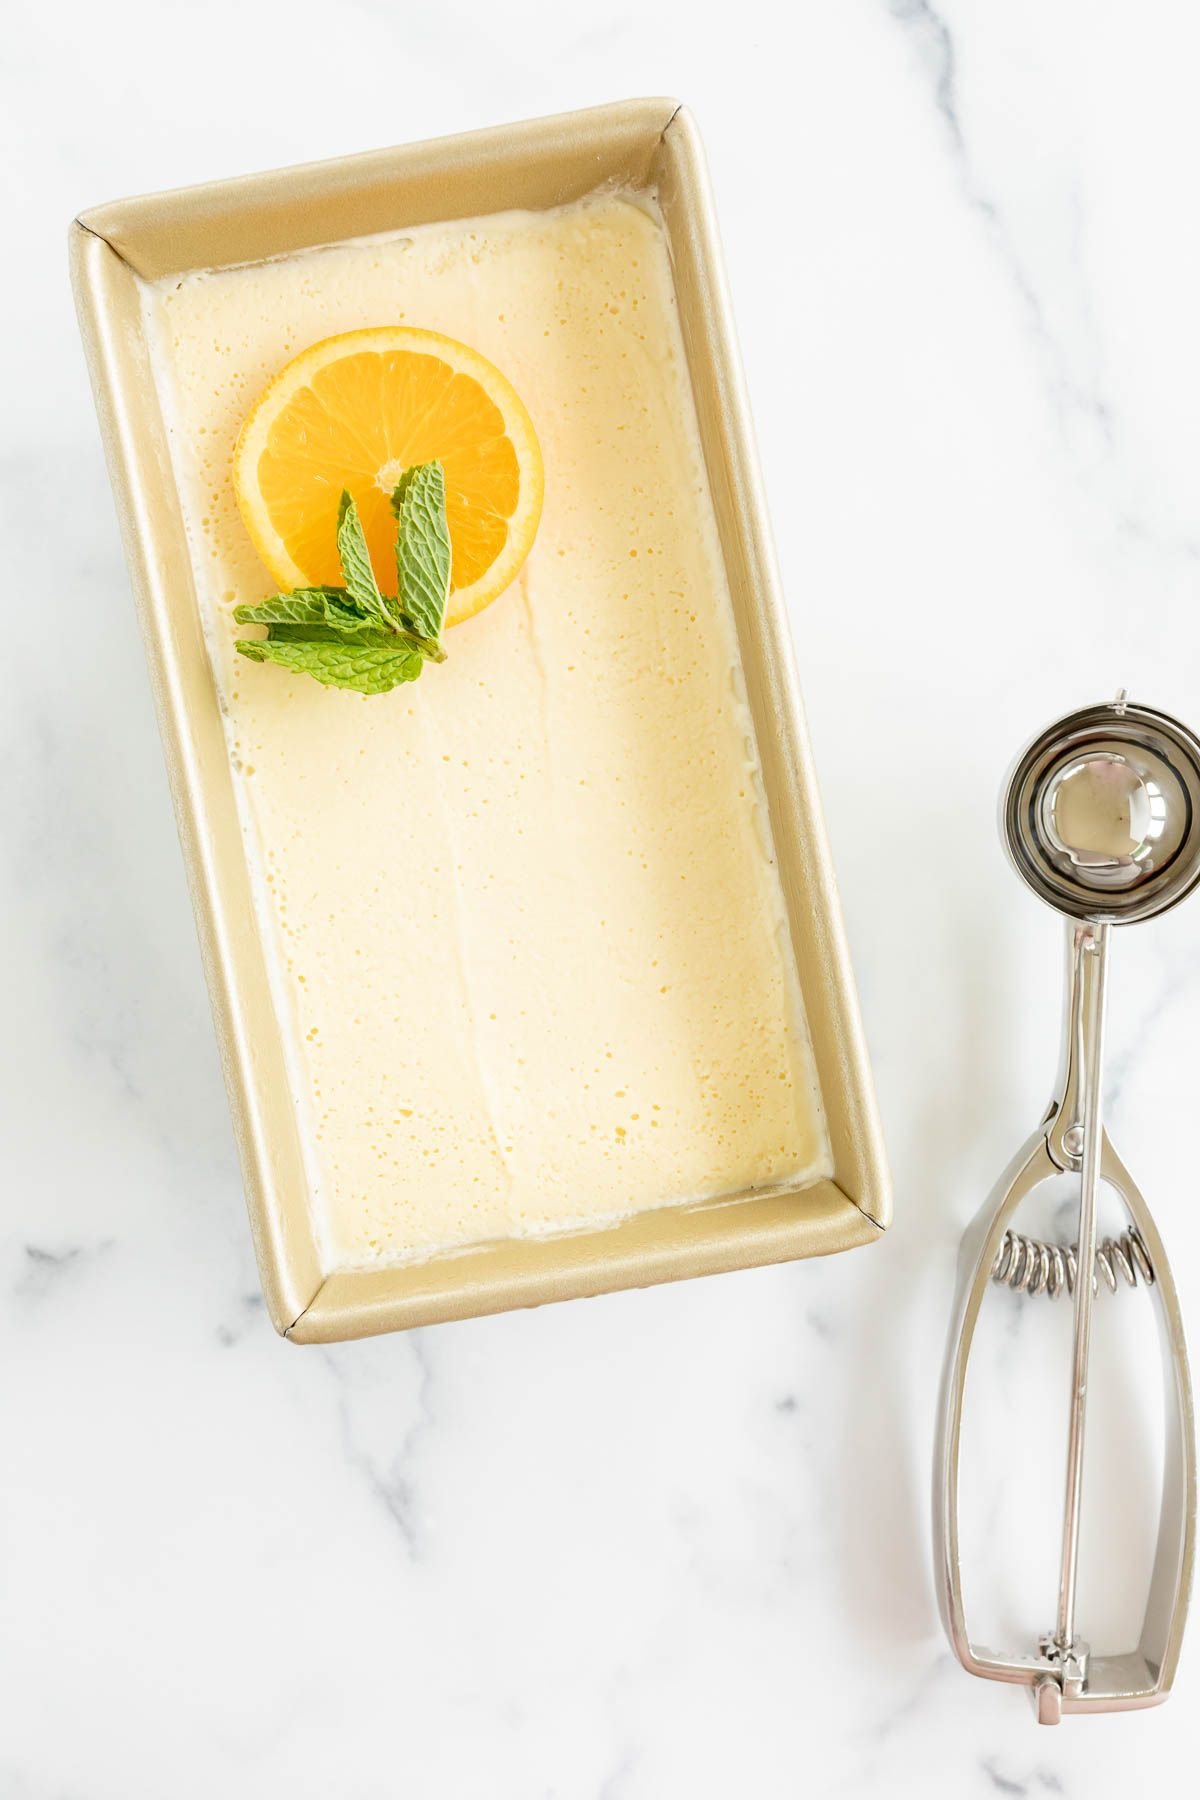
(303, 605)
(361, 585)
(320, 633)
(402, 487)
(363, 668)
(354, 637)
(422, 548)
(322, 614)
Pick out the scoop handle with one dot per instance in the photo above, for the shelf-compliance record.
(1087, 993)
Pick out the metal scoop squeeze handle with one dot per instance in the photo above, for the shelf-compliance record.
(1101, 816)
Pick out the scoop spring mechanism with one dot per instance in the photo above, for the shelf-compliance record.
(1031, 1265)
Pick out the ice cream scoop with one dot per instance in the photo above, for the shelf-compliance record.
(1101, 818)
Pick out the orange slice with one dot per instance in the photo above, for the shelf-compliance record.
(354, 412)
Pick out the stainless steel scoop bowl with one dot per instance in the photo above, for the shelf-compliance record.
(1101, 817)
(1101, 814)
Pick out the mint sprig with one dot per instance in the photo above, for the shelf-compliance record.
(354, 636)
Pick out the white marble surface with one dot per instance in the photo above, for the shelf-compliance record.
(670, 1544)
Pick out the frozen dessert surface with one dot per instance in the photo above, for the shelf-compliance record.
(529, 942)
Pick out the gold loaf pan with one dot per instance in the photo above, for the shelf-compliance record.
(546, 162)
